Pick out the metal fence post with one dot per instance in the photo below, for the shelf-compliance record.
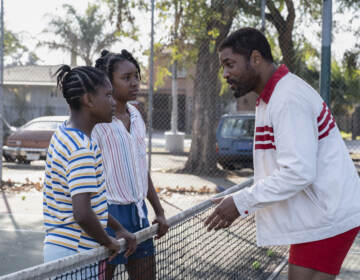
(326, 51)
(263, 6)
(1, 86)
(174, 96)
(151, 82)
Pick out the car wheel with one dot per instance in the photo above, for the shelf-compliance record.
(24, 161)
(8, 158)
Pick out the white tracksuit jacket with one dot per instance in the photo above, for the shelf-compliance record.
(306, 187)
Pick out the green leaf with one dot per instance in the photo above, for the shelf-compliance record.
(256, 265)
(269, 252)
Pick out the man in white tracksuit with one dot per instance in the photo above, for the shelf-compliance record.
(306, 191)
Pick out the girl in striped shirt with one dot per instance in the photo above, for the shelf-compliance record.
(128, 181)
(75, 207)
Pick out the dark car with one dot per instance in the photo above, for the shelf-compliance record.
(31, 141)
(234, 140)
(7, 129)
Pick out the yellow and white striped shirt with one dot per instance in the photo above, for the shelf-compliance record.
(73, 166)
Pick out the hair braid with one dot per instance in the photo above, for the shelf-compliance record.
(75, 82)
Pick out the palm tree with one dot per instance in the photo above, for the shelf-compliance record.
(80, 35)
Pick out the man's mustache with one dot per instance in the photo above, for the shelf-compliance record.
(231, 81)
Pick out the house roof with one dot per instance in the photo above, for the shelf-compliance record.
(36, 75)
(40, 75)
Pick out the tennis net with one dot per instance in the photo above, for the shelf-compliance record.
(187, 251)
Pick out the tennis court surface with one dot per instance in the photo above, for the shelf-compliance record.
(188, 251)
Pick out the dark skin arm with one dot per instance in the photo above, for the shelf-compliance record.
(88, 221)
(121, 232)
(159, 211)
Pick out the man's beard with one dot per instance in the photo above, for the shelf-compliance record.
(240, 93)
(240, 90)
(248, 83)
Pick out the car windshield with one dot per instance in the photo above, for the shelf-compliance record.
(238, 128)
(42, 125)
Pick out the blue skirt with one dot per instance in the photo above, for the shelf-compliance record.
(127, 216)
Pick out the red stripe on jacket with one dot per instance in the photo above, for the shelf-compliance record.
(322, 112)
(264, 128)
(266, 137)
(265, 146)
(328, 119)
(331, 126)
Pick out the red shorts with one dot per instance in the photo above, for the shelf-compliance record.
(325, 255)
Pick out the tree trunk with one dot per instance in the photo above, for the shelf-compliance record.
(287, 49)
(206, 111)
(73, 61)
(285, 27)
(206, 104)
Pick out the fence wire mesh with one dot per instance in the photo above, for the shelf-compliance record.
(187, 251)
(215, 130)
(203, 142)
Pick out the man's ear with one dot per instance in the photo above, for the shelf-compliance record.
(256, 58)
(87, 100)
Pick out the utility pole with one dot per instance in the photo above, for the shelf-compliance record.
(174, 80)
(1, 86)
(325, 74)
(263, 6)
(174, 140)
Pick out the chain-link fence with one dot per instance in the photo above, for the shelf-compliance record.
(209, 131)
(188, 251)
(198, 127)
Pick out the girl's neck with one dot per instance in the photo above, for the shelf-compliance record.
(82, 122)
(121, 108)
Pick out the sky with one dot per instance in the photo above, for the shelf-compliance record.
(32, 18)
(29, 19)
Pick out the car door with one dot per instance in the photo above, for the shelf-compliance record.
(225, 136)
(243, 131)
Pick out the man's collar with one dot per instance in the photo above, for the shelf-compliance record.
(271, 83)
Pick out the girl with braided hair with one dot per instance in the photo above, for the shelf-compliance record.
(74, 193)
(128, 181)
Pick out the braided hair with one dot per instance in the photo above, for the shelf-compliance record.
(75, 82)
(108, 61)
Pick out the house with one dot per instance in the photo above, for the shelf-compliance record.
(29, 92)
(162, 97)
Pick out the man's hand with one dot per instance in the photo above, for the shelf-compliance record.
(224, 214)
(113, 247)
(163, 225)
(130, 239)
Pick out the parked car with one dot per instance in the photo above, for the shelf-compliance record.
(234, 140)
(7, 129)
(31, 141)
